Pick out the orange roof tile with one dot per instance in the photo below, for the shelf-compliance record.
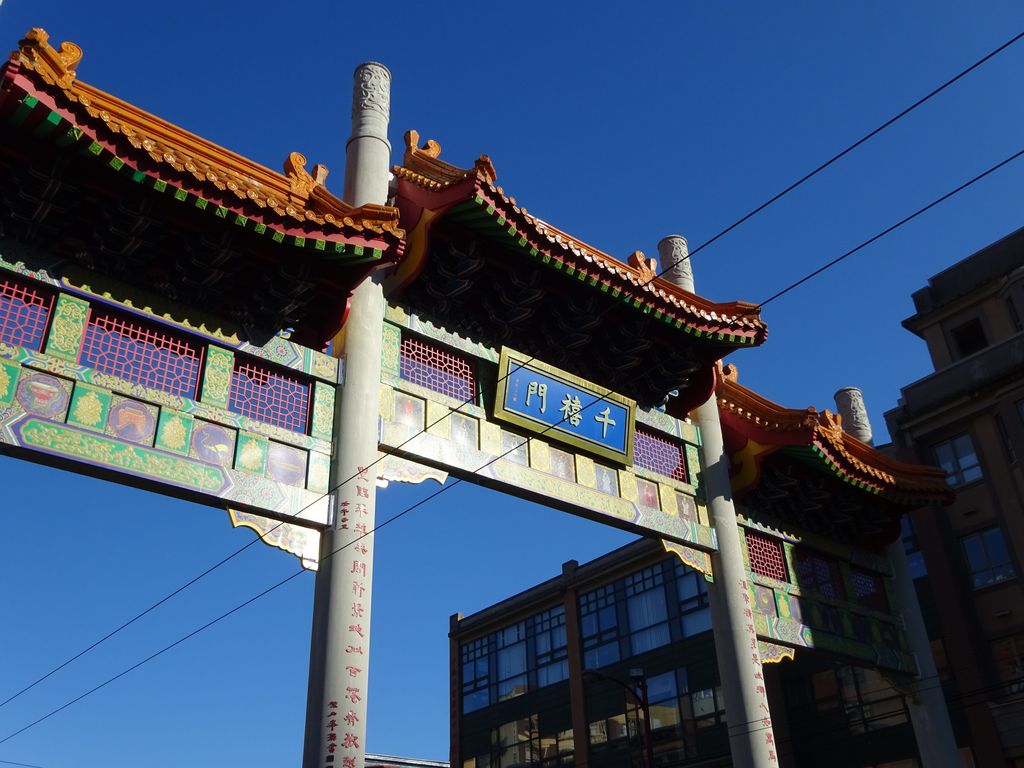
(296, 194)
(423, 168)
(822, 430)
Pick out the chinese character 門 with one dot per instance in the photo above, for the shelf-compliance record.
(541, 391)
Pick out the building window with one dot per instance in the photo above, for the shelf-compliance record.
(24, 312)
(915, 558)
(476, 674)
(988, 559)
(692, 591)
(511, 661)
(705, 707)
(647, 609)
(142, 354)
(1008, 653)
(869, 702)
(518, 658)
(259, 392)
(818, 573)
(958, 458)
(516, 743)
(1004, 435)
(968, 338)
(1011, 307)
(659, 454)
(437, 369)
(599, 627)
(550, 648)
(766, 556)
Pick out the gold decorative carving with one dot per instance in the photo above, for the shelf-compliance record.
(772, 653)
(302, 182)
(88, 409)
(174, 433)
(647, 268)
(55, 66)
(424, 166)
(5, 382)
(251, 456)
(302, 542)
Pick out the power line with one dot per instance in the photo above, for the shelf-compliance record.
(664, 270)
(862, 140)
(895, 226)
(282, 582)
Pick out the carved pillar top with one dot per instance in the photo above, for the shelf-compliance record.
(371, 100)
(850, 404)
(674, 254)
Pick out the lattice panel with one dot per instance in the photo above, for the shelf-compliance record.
(142, 354)
(766, 557)
(659, 454)
(264, 395)
(437, 369)
(24, 312)
(816, 572)
(869, 590)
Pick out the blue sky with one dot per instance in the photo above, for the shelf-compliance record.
(619, 126)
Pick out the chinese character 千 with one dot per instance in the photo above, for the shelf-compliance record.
(605, 420)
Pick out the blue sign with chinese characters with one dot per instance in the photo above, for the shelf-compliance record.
(565, 408)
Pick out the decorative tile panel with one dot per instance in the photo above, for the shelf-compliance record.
(251, 453)
(68, 328)
(217, 377)
(90, 407)
(174, 432)
(323, 411)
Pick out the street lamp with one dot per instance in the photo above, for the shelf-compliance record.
(639, 679)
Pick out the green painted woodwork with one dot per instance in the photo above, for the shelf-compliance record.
(216, 388)
(251, 453)
(323, 411)
(68, 327)
(391, 350)
(319, 471)
(89, 407)
(174, 432)
(106, 451)
(9, 373)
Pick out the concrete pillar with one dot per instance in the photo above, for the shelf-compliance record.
(751, 738)
(850, 404)
(674, 255)
(928, 712)
(368, 152)
(340, 648)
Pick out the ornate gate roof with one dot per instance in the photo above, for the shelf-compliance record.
(478, 260)
(799, 466)
(96, 182)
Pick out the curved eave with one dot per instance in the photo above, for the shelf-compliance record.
(37, 110)
(498, 217)
(760, 427)
(431, 190)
